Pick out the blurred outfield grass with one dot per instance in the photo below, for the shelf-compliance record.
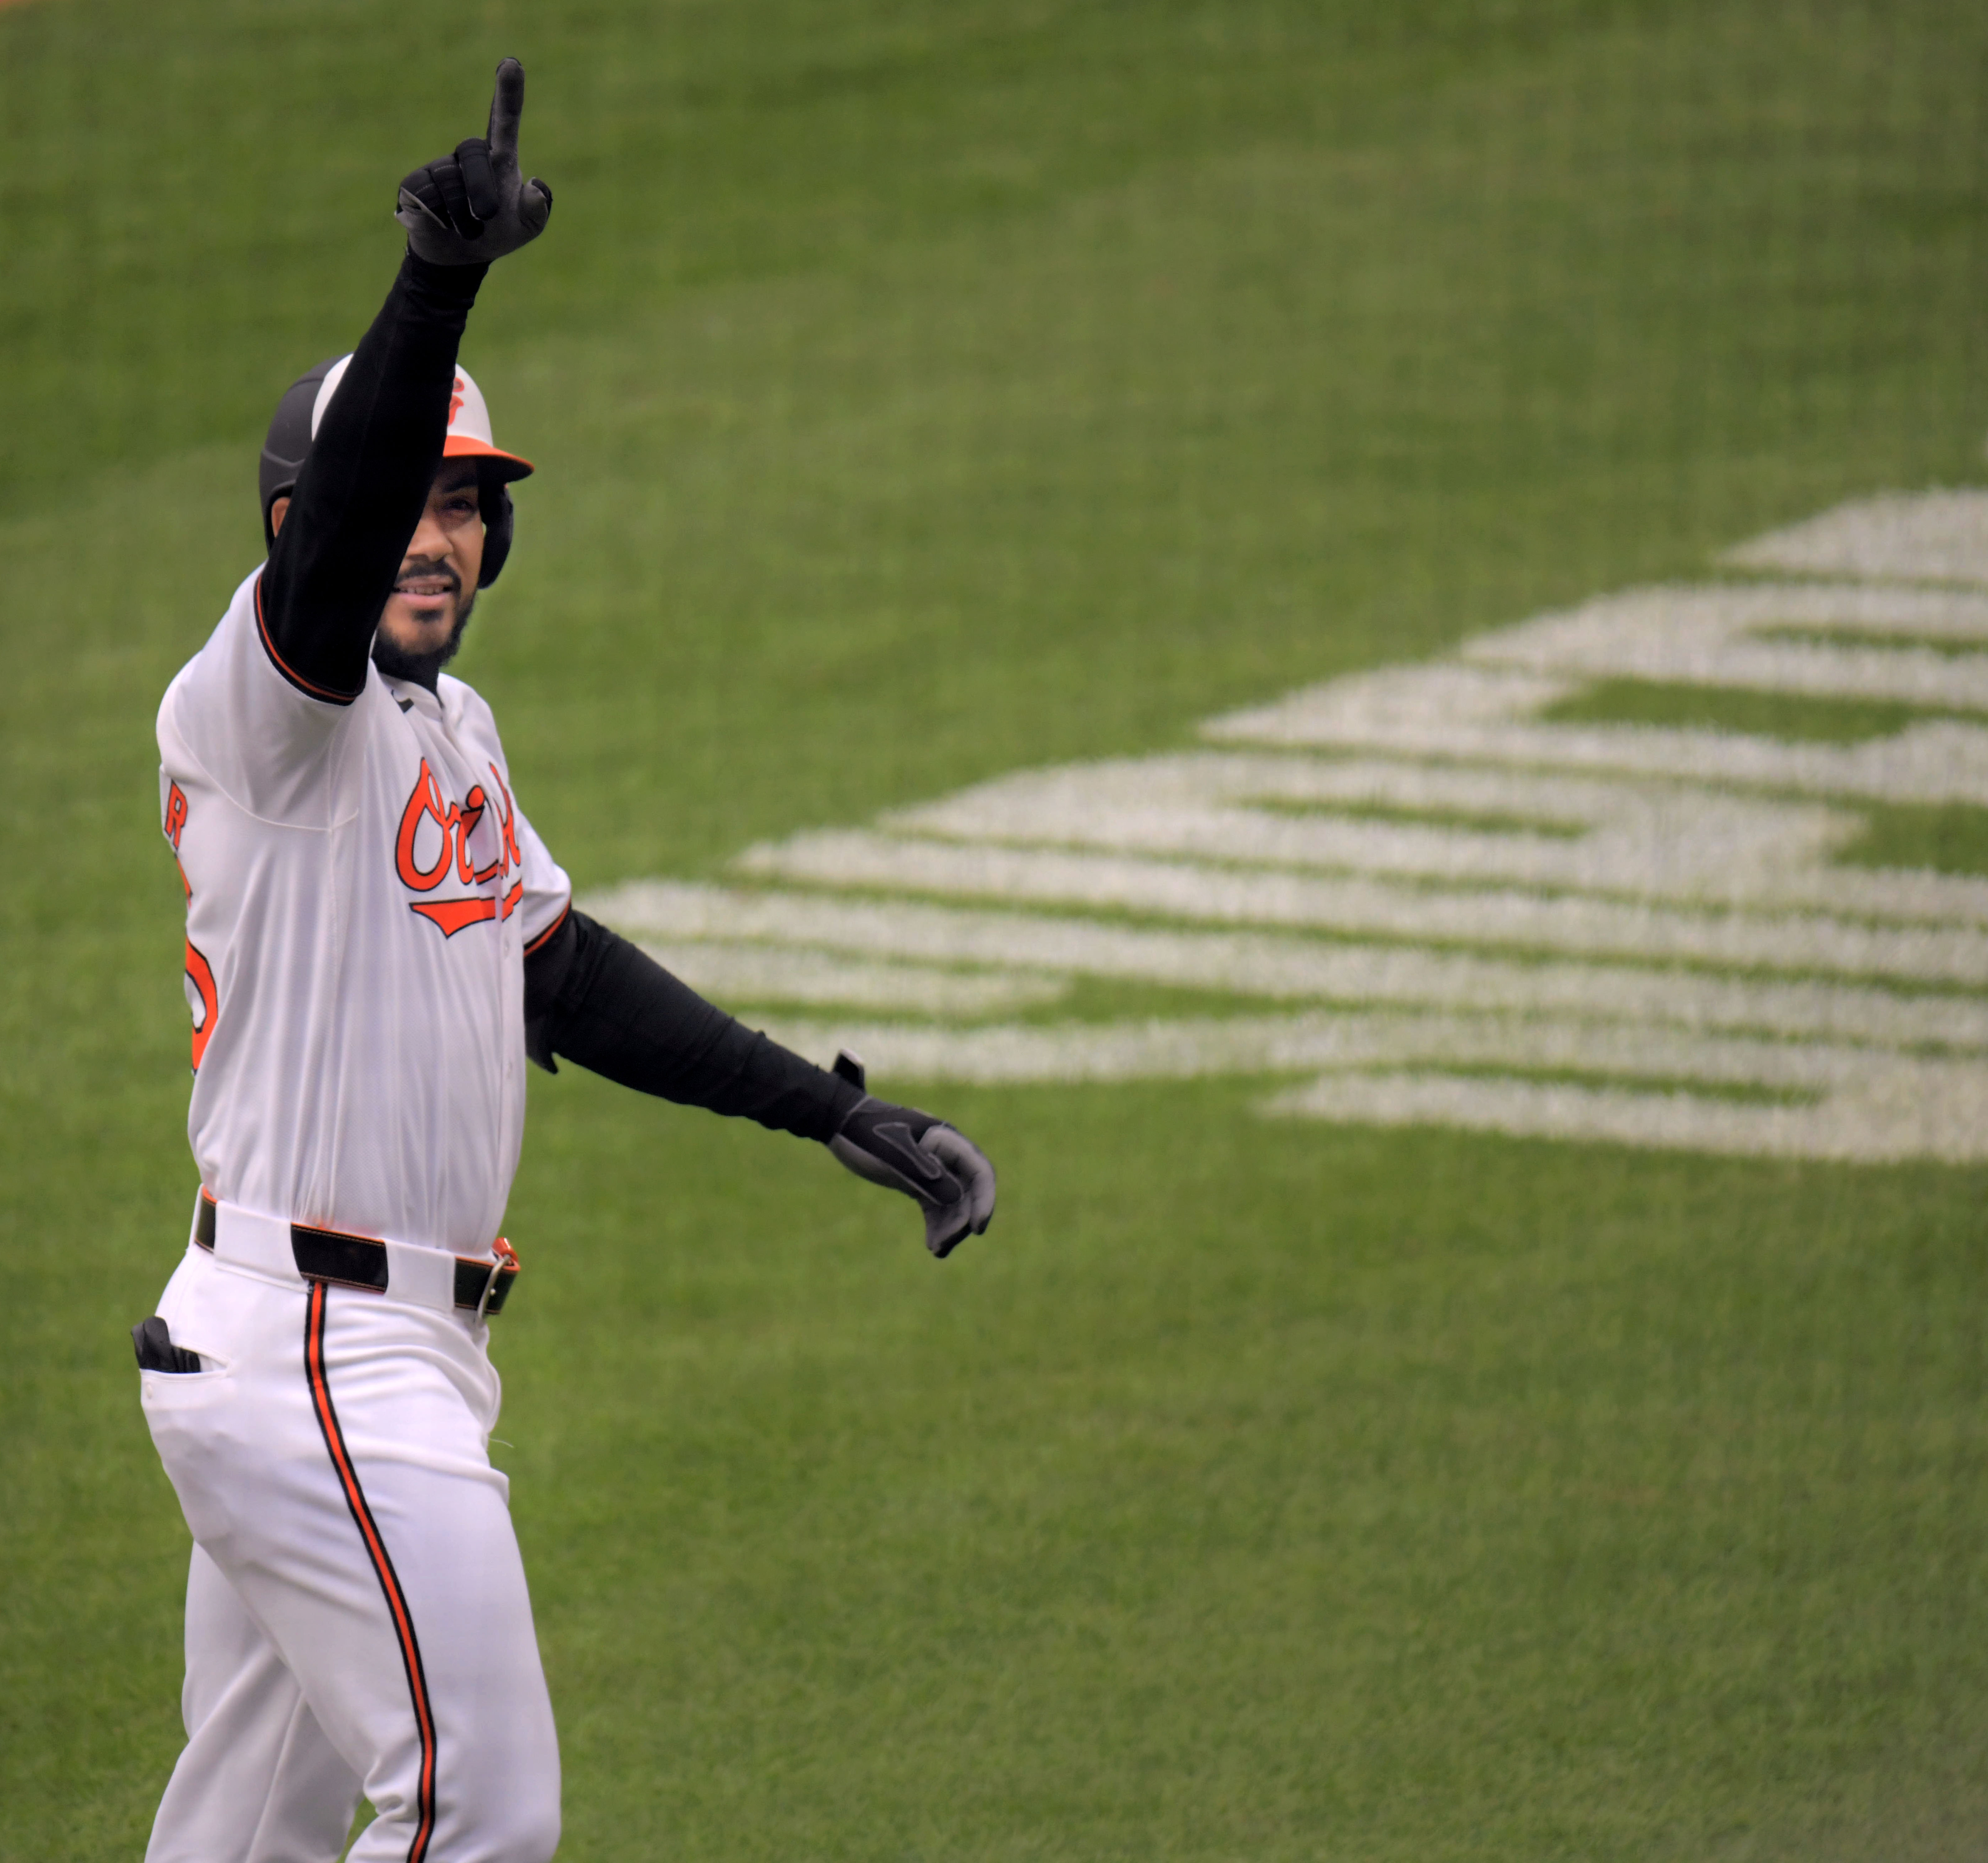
(922, 390)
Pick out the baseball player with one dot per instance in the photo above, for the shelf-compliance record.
(376, 941)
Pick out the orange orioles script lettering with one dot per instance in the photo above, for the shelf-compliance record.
(455, 823)
(203, 1000)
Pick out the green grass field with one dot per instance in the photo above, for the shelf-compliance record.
(920, 391)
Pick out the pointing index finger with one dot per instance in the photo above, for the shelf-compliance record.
(507, 106)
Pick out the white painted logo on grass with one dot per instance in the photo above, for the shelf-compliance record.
(1422, 899)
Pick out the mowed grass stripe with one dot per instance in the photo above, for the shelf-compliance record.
(1277, 968)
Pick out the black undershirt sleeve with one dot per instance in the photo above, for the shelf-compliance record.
(598, 1000)
(365, 483)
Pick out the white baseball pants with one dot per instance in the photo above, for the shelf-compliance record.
(356, 1615)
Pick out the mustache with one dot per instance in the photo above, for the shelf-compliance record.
(425, 571)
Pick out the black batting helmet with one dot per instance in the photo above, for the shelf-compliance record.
(288, 441)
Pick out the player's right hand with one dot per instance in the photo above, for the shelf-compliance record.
(469, 208)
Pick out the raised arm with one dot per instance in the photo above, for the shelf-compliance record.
(365, 483)
(379, 442)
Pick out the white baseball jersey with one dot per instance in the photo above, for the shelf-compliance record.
(361, 890)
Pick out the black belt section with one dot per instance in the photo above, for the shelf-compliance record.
(359, 1261)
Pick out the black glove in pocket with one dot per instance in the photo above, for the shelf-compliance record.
(154, 1341)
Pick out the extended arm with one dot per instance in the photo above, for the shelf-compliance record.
(598, 1000)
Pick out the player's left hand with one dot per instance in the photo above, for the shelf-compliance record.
(470, 207)
(941, 1169)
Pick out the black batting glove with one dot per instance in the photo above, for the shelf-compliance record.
(941, 1170)
(467, 208)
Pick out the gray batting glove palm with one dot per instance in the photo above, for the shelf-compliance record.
(942, 1170)
(469, 208)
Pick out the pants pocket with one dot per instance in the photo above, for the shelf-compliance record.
(185, 1411)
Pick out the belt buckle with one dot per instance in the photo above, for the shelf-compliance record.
(503, 1256)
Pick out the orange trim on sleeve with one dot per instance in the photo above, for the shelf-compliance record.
(565, 912)
(283, 666)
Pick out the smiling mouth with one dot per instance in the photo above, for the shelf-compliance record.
(428, 588)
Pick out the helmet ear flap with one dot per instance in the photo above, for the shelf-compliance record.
(498, 519)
